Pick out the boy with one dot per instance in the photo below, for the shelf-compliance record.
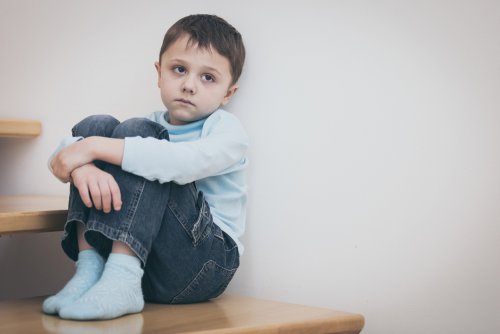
(157, 205)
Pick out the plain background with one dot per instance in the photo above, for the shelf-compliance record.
(375, 159)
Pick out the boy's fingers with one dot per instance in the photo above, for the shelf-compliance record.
(96, 195)
(116, 194)
(105, 196)
(84, 195)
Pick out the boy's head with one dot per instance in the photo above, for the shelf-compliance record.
(201, 59)
(209, 32)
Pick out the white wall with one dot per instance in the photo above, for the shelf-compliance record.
(375, 127)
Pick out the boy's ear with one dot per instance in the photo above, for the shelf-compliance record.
(230, 92)
(158, 70)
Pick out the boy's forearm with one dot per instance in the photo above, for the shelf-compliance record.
(107, 149)
(86, 151)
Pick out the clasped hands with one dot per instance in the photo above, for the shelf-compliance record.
(96, 187)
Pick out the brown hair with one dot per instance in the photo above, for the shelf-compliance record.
(210, 32)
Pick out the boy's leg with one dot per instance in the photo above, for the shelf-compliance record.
(142, 202)
(130, 230)
(89, 264)
(98, 125)
(192, 259)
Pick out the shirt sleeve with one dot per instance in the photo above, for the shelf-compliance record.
(220, 151)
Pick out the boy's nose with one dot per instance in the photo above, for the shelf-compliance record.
(188, 85)
(188, 90)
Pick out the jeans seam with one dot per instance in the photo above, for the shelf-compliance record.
(190, 287)
(70, 248)
(135, 202)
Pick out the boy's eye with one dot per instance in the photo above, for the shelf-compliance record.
(180, 69)
(207, 77)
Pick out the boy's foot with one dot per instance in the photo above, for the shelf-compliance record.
(117, 293)
(89, 269)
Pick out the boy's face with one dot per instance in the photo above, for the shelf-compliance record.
(193, 82)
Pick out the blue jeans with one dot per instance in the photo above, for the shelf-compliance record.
(186, 257)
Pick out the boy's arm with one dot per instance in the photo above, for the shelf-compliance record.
(85, 151)
(184, 162)
(220, 150)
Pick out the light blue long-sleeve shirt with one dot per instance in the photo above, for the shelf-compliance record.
(210, 152)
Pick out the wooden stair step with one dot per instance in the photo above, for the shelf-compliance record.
(20, 214)
(19, 128)
(226, 314)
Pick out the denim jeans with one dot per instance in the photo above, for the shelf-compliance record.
(186, 257)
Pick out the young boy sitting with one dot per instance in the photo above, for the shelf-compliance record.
(157, 204)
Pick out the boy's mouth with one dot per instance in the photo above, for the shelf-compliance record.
(185, 101)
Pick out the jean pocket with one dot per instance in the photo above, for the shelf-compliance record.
(194, 216)
(209, 283)
(202, 227)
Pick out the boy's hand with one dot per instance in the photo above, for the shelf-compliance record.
(86, 151)
(97, 187)
(71, 157)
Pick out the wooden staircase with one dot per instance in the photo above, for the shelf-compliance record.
(226, 314)
(20, 214)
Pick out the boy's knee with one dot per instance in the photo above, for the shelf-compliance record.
(139, 127)
(96, 125)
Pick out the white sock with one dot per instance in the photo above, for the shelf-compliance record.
(89, 269)
(117, 293)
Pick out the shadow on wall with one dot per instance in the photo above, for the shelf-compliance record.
(28, 263)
